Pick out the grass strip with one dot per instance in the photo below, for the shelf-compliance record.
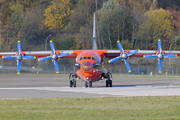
(103, 108)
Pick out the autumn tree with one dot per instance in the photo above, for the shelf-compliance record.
(83, 39)
(157, 24)
(57, 14)
(82, 14)
(113, 23)
(15, 26)
(135, 9)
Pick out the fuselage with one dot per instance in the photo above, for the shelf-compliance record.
(88, 65)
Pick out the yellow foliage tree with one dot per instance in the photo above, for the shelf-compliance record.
(157, 24)
(17, 8)
(57, 14)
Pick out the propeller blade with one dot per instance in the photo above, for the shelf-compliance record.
(45, 58)
(52, 47)
(159, 45)
(18, 66)
(64, 54)
(134, 52)
(160, 65)
(127, 65)
(120, 47)
(149, 56)
(9, 57)
(170, 55)
(56, 66)
(115, 59)
(19, 47)
(29, 57)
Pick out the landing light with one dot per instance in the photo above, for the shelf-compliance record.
(87, 78)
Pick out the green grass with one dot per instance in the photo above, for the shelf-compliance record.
(91, 108)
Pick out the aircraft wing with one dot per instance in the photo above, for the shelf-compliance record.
(141, 53)
(74, 53)
(38, 54)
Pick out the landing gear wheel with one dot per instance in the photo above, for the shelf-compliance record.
(108, 83)
(72, 78)
(74, 83)
(71, 83)
(86, 84)
(90, 84)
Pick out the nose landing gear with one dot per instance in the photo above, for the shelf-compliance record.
(88, 83)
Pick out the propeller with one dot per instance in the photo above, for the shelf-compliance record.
(160, 55)
(19, 57)
(54, 56)
(123, 56)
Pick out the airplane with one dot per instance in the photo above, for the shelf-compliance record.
(89, 63)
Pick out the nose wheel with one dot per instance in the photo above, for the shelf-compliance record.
(88, 84)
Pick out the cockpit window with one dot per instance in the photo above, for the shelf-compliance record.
(93, 58)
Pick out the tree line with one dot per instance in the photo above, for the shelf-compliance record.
(136, 23)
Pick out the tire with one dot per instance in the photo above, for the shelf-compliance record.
(90, 84)
(110, 83)
(86, 85)
(107, 83)
(74, 84)
(71, 83)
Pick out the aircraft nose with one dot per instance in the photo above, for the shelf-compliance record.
(87, 67)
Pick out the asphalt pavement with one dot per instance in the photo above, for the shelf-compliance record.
(51, 86)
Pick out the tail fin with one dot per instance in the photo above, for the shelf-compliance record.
(94, 33)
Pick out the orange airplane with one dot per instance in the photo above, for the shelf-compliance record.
(89, 63)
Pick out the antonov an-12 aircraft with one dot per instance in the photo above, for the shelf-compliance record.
(89, 63)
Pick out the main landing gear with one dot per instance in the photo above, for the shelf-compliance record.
(72, 80)
(108, 81)
(88, 83)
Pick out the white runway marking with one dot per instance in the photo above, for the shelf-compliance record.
(116, 91)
